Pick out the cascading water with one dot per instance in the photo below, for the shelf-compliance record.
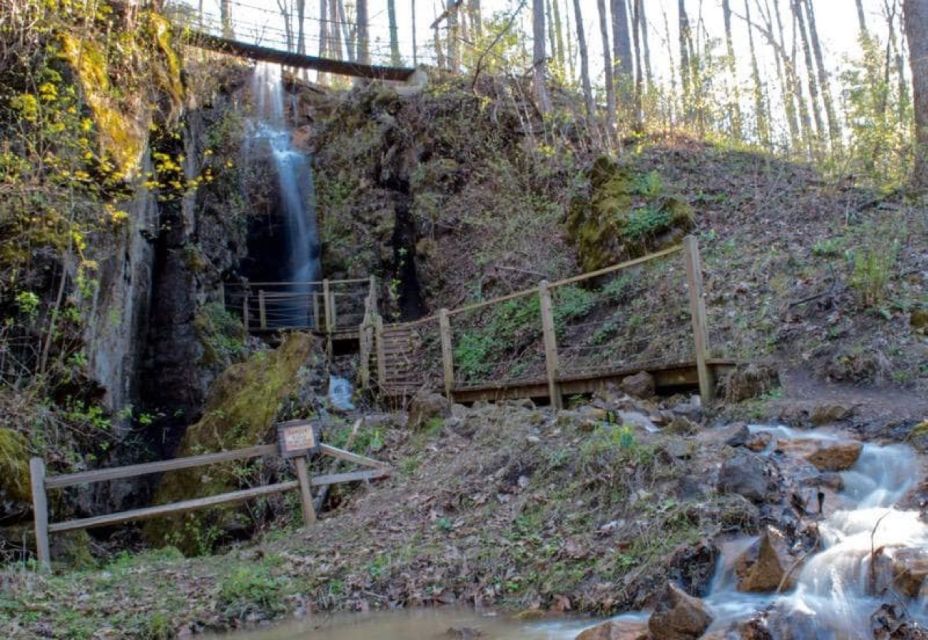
(297, 194)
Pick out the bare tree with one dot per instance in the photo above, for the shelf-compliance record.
(734, 103)
(607, 65)
(760, 103)
(285, 13)
(415, 51)
(639, 79)
(454, 36)
(538, 55)
(834, 127)
(300, 27)
(571, 52)
(621, 48)
(584, 63)
(685, 65)
(335, 30)
(862, 19)
(225, 16)
(916, 30)
(476, 18)
(364, 43)
(646, 49)
(799, 26)
(559, 37)
(394, 36)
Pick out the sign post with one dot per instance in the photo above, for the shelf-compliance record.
(297, 439)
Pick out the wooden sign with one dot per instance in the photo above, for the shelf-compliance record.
(296, 438)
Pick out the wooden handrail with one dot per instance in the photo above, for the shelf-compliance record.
(281, 284)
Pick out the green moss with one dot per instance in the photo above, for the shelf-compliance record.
(14, 465)
(221, 334)
(240, 411)
(624, 215)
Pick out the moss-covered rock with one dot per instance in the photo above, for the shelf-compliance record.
(624, 215)
(240, 411)
(14, 468)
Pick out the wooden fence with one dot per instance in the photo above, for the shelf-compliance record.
(426, 347)
(41, 483)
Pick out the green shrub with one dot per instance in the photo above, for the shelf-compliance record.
(251, 588)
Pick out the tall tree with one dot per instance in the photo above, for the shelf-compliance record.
(621, 48)
(584, 62)
(685, 68)
(300, 27)
(607, 66)
(834, 127)
(394, 36)
(415, 51)
(335, 30)
(571, 53)
(454, 35)
(916, 31)
(549, 24)
(861, 18)
(646, 49)
(734, 102)
(538, 55)
(476, 18)
(364, 50)
(760, 103)
(559, 37)
(225, 16)
(639, 79)
(800, 27)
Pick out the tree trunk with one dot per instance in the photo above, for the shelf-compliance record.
(476, 18)
(300, 28)
(335, 31)
(646, 49)
(559, 37)
(639, 79)
(288, 28)
(538, 55)
(415, 48)
(734, 104)
(862, 19)
(225, 15)
(454, 42)
(760, 104)
(584, 63)
(348, 33)
(916, 31)
(394, 36)
(364, 50)
(607, 65)
(685, 68)
(621, 49)
(834, 127)
(549, 24)
(810, 69)
(571, 51)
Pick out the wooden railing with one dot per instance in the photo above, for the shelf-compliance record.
(432, 339)
(41, 483)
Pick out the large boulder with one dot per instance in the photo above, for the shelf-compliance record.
(426, 406)
(640, 385)
(616, 630)
(678, 616)
(744, 473)
(15, 493)
(825, 455)
(766, 564)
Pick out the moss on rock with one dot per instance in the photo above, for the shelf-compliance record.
(14, 466)
(240, 411)
(624, 215)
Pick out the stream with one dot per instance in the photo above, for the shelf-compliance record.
(831, 592)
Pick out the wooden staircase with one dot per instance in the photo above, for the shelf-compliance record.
(399, 374)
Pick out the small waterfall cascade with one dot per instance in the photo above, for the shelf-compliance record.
(296, 195)
(832, 591)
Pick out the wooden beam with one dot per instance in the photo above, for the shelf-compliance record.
(447, 355)
(381, 356)
(306, 495)
(348, 456)
(351, 476)
(40, 512)
(176, 507)
(698, 313)
(550, 339)
(133, 470)
(262, 314)
(256, 52)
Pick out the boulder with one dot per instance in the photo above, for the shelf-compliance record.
(616, 630)
(425, 406)
(678, 616)
(743, 473)
(892, 622)
(749, 381)
(759, 441)
(829, 413)
(825, 455)
(740, 435)
(909, 571)
(764, 565)
(640, 385)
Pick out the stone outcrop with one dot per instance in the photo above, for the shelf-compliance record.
(825, 455)
(678, 616)
(744, 474)
(425, 406)
(640, 385)
(616, 630)
(766, 564)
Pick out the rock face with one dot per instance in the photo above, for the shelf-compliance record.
(425, 406)
(678, 616)
(743, 473)
(616, 630)
(828, 413)
(825, 455)
(764, 565)
(640, 385)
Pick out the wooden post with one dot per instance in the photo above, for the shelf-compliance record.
(222, 294)
(245, 311)
(316, 325)
(333, 311)
(326, 300)
(306, 496)
(550, 339)
(381, 361)
(698, 313)
(40, 512)
(447, 355)
(262, 316)
(372, 294)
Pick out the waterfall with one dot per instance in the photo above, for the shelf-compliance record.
(297, 195)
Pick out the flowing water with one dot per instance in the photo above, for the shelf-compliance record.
(296, 192)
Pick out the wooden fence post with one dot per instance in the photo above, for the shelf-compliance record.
(222, 294)
(381, 357)
(262, 315)
(550, 339)
(316, 324)
(326, 301)
(372, 294)
(447, 355)
(40, 511)
(306, 496)
(245, 311)
(698, 313)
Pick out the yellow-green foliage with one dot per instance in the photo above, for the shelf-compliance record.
(240, 411)
(14, 465)
(625, 215)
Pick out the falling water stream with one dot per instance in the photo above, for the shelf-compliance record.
(831, 593)
(296, 193)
